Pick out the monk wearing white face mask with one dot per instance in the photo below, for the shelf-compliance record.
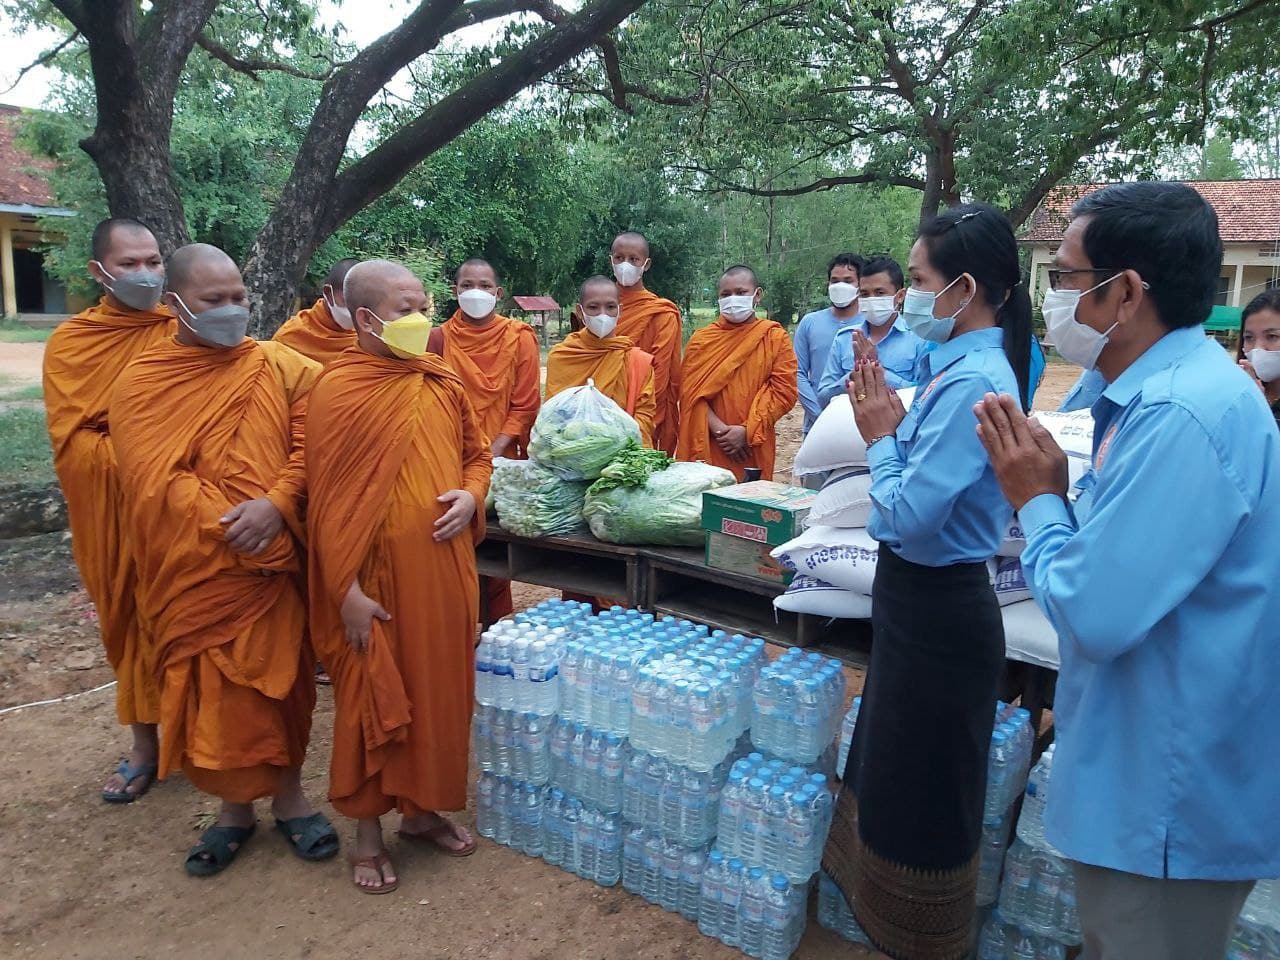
(323, 330)
(594, 352)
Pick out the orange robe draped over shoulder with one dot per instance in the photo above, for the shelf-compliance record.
(82, 361)
(197, 431)
(746, 374)
(385, 438)
(500, 367)
(615, 365)
(313, 334)
(654, 325)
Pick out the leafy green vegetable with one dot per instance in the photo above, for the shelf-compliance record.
(666, 509)
(579, 432)
(531, 501)
(631, 468)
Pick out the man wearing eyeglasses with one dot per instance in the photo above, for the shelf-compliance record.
(1160, 579)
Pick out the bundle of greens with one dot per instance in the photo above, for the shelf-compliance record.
(579, 432)
(631, 468)
(665, 509)
(531, 501)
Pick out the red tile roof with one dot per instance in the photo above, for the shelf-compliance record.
(20, 179)
(539, 304)
(1248, 210)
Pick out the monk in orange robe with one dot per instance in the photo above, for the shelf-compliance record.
(323, 330)
(397, 468)
(82, 361)
(654, 325)
(739, 381)
(498, 361)
(620, 370)
(207, 429)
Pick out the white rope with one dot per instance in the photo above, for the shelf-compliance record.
(69, 696)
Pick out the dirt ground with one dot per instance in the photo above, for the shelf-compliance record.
(85, 880)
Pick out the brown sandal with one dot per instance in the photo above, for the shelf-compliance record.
(434, 834)
(374, 863)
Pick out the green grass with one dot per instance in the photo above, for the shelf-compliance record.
(25, 456)
(32, 391)
(12, 333)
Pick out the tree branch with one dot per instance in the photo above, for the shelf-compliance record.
(73, 10)
(251, 68)
(949, 45)
(823, 183)
(1203, 25)
(43, 60)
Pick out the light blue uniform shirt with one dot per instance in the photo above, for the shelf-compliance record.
(899, 352)
(935, 497)
(1085, 393)
(1164, 587)
(812, 344)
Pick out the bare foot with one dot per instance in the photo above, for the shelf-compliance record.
(441, 831)
(289, 801)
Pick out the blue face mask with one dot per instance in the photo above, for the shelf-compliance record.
(917, 314)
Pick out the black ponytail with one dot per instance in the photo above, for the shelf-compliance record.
(977, 239)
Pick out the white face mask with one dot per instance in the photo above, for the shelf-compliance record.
(341, 315)
(1266, 363)
(477, 304)
(841, 294)
(602, 325)
(627, 273)
(878, 310)
(738, 309)
(1076, 342)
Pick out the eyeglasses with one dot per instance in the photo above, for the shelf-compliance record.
(1056, 274)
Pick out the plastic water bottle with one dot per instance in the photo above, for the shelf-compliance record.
(538, 744)
(776, 940)
(997, 776)
(775, 814)
(502, 811)
(1031, 820)
(572, 836)
(846, 735)
(484, 669)
(484, 805)
(691, 865)
(1022, 948)
(710, 904)
(1049, 875)
(633, 779)
(994, 837)
(531, 810)
(797, 836)
(651, 887)
(1015, 892)
(731, 812)
(992, 942)
(609, 858)
(552, 829)
(669, 892)
(544, 680)
(731, 904)
(754, 825)
(754, 895)
(613, 763)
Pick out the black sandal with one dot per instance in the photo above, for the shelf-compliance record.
(217, 848)
(311, 838)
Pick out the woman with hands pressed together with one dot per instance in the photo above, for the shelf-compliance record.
(904, 845)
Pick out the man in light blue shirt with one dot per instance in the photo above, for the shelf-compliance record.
(817, 330)
(881, 291)
(1161, 581)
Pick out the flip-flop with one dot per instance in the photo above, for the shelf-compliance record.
(433, 836)
(311, 838)
(214, 853)
(131, 775)
(374, 863)
(322, 677)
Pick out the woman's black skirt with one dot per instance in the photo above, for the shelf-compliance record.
(904, 843)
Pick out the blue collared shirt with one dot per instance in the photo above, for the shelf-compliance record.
(899, 352)
(1164, 587)
(1085, 393)
(935, 497)
(813, 341)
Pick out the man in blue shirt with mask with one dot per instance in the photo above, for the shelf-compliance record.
(1161, 581)
(818, 329)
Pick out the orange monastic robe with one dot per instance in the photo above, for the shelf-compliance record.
(82, 361)
(385, 438)
(501, 368)
(654, 325)
(313, 334)
(197, 431)
(620, 370)
(746, 374)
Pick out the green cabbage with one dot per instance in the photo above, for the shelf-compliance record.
(578, 432)
(531, 501)
(665, 510)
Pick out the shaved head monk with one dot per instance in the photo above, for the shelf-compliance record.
(208, 434)
(323, 330)
(498, 361)
(594, 351)
(654, 325)
(396, 468)
(82, 362)
(739, 381)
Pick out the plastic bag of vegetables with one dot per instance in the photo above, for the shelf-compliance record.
(531, 501)
(578, 432)
(666, 509)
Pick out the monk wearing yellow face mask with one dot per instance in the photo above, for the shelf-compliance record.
(397, 466)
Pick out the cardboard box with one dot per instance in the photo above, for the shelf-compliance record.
(745, 557)
(763, 512)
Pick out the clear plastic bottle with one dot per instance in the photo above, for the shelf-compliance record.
(633, 860)
(484, 669)
(691, 863)
(502, 803)
(1022, 948)
(731, 903)
(1048, 875)
(1031, 820)
(633, 780)
(612, 766)
(520, 687)
(754, 826)
(501, 682)
(771, 842)
(997, 776)
(994, 838)
(798, 837)
(669, 896)
(754, 895)
(1015, 892)
(992, 941)
(484, 805)
(544, 679)
(776, 940)
(588, 843)
(651, 888)
(573, 813)
(553, 829)
(531, 820)
(609, 859)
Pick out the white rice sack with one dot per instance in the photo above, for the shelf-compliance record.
(1028, 635)
(834, 440)
(1074, 433)
(844, 558)
(843, 501)
(1006, 577)
(1015, 540)
(807, 595)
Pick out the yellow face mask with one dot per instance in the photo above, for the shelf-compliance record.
(406, 337)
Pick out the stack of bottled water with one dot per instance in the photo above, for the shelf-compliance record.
(1257, 933)
(763, 915)
(775, 817)
(662, 871)
(588, 764)
(1001, 940)
(846, 735)
(796, 706)
(510, 812)
(512, 744)
(834, 912)
(680, 803)
(518, 660)
(1008, 760)
(582, 839)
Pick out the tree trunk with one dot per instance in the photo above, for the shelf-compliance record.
(132, 157)
(931, 199)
